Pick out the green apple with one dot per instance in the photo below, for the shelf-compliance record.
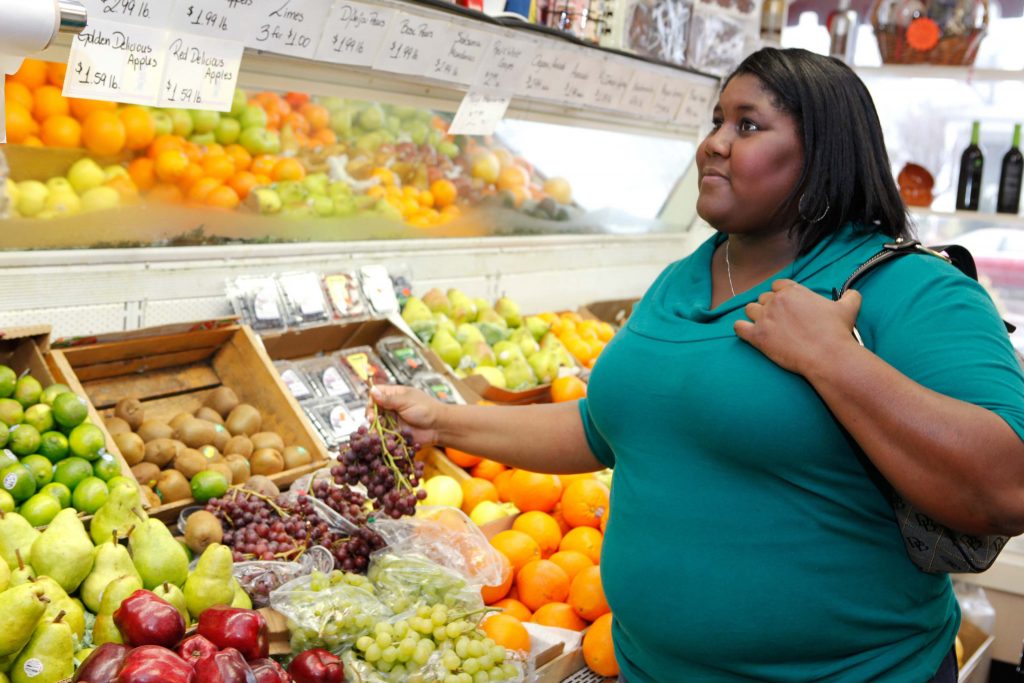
(85, 174)
(59, 184)
(292, 193)
(64, 202)
(260, 141)
(203, 139)
(115, 171)
(253, 117)
(341, 123)
(181, 122)
(32, 196)
(268, 201)
(239, 101)
(163, 122)
(227, 131)
(323, 205)
(100, 198)
(371, 118)
(204, 121)
(317, 183)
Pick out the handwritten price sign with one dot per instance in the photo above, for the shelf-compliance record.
(227, 19)
(696, 108)
(505, 65)
(201, 73)
(291, 27)
(547, 74)
(461, 57)
(639, 98)
(412, 45)
(583, 80)
(612, 83)
(354, 33)
(479, 114)
(152, 13)
(116, 62)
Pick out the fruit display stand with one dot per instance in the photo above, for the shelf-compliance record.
(172, 374)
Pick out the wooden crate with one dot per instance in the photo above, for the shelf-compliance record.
(174, 373)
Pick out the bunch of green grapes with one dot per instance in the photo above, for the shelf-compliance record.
(405, 582)
(329, 610)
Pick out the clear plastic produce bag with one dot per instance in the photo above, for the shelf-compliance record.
(261, 578)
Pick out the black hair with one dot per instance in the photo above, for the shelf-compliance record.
(846, 176)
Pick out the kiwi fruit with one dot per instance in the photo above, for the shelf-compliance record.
(240, 469)
(145, 473)
(266, 461)
(149, 497)
(244, 419)
(131, 411)
(201, 529)
(267, 440)
(151, 430)
(178, 419)
(173, 486)
(296, 456)
(195, 433)
(211, 453)
(241, 444)
(190, 462)
(131, 446)
(221, 436)
(116, 425)
(160, 452)
(223, 400)
(262, 485)
(223, 468)
(210, 415)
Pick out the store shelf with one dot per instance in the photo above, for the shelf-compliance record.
(936, 71)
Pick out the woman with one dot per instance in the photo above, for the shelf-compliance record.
(747, 541)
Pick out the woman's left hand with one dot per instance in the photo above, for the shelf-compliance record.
(796, 328)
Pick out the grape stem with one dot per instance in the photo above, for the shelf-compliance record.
(391, 428)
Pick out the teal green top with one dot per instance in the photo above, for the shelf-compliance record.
(746, 542)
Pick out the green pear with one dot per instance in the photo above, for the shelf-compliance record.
(173, 595)
(478, 353)
(437, 302)
(5, 577)
(537, 326)
(60, 601)
(507, 351)
(509, 311)
(4, 678)
(527, 344)
(64, 552)
(444, 323)
(104, 630)
(463, 310)
(24, 573)
(494, 329)
(550, 342)
(482, 305)
(22, 607)
(241, 599)
(49, 656)
(543, 363)
(494, 376)
(112, 561)
(467, 332)
(415, 310)
(120, 513)
(210, 583)
(5, 665)
(519, 375)
(424, 329)
(156, 555)
(445, 346)
(491, 316)
(15, 534)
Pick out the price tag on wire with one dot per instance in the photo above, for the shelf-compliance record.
(479, 114)
(201, 73)
(354, 33)
(461, 56)
(547, 74)
(116, 62)
(412, 45)
(290, 27)
(227, 19)
(505, 65)
(152, 13)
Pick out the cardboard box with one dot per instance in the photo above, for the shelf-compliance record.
(977, 653)
(174, 373)
(614, 311)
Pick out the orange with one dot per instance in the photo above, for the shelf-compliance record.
(487, 469)
(507, 631)
(542, 528)
(298, 122)
(264, 165)
(572, 561)
(560, 615)
(243, 183)
(166, 194)
(55, 72)
(605, 331)
(143, 173)
(20, 124)
(47, 101)
(584, 539)
(81, 109)
(317, 115)
(325, 137)
(568, 479)
(124, 187)
(33, 141)
(598, 648)
(560, 518)
(605, 518)
(241, 157)
(201, 189)
(534, 491)
(192, 174)
(501, 483)
(61, 131)
(220, 167)
(586, 594)
(32, 74)
(460, 458)
(171, 165)
(444, 191)
(223, 198)
(514, 608)
(476, 490)
(512, 178)
(518, 547)
(164, 143)
(19, 92)
(585, 502)
(103, 133)
(492, 594)
(568, 388)
(540, 582)
(296, 99)
(138, 127)
(193, 151)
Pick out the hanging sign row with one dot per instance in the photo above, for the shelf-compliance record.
(186, 53)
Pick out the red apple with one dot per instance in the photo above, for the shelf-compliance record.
(226, 666)
(243, 629)
(102, 664)
(317, 666)
(268, 670)
(193, 648)
(145, 618)
(154, 664)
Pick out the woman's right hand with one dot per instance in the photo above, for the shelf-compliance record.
(415, 408)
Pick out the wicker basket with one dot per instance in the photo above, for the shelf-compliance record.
(960, 31)
(954, 51)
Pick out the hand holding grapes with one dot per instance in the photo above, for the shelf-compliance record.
(417, 410)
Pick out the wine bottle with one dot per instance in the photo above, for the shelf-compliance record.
(1008, 200)
(968, 189)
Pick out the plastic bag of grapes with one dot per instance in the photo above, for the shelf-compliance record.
(405, 581)
(260, 578)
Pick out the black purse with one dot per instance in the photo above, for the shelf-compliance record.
(933, 547)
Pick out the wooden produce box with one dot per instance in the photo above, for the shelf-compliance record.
(174, 373)
(614, 311)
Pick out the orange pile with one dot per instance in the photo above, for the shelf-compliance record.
(585, 339)
(420, 208)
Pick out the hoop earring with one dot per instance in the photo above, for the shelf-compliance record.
(800, 211)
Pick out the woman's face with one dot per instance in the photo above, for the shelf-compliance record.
(749, 162)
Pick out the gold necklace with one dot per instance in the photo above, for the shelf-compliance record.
(728, 268)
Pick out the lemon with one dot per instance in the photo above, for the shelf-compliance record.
(443, 490)
(487, 511)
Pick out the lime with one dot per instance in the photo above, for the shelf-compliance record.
(11, 412)
(39, 416)
(8, 380)
(208, 484)
(59, 491)
(27, 391)
(51, 392)
(41, 468)
(24, 439)
(54, 446)
(18, 481)
(72, 471)
(4, 433)
(7, 458)
(69, 410)
(90, 495)
(40, 509)
(86, 441)
(106, 467)
(6, 501)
